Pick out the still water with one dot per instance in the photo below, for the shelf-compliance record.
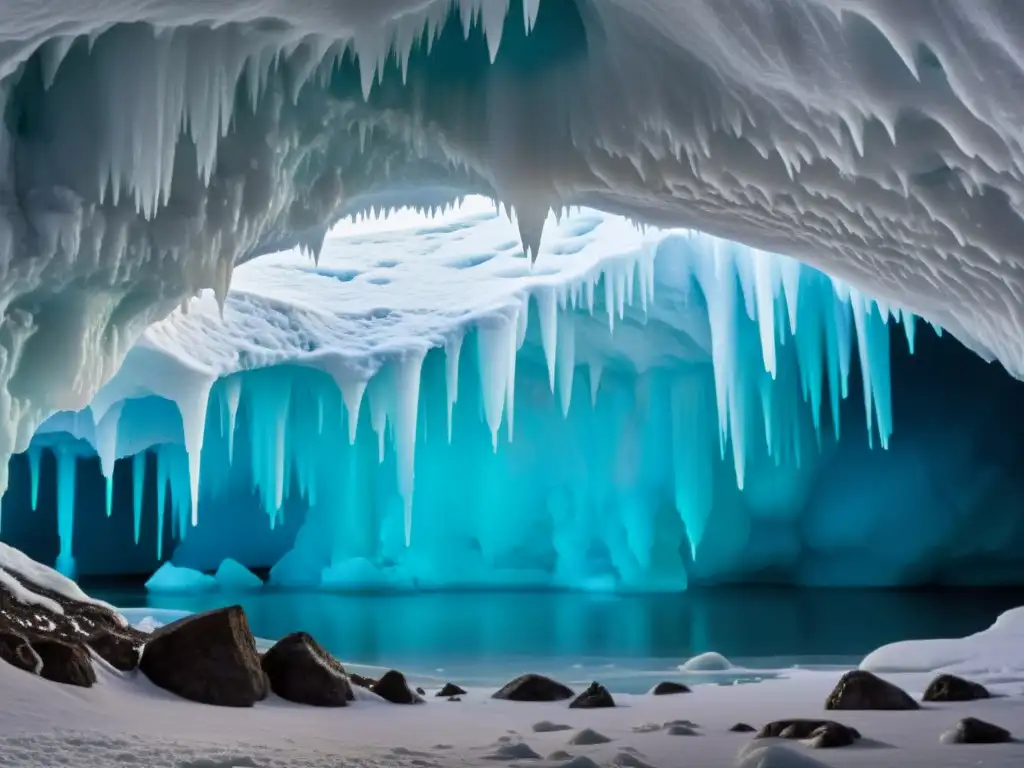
(627, 642)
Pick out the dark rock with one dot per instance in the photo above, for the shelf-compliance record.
(16, 651)
(65, 662)
(120, 651)
(420, 691)
(79, 619)
(822, 733)
(832, 735)
(533, 688)
(595, 697)
(207, 657)
(742, 728)
(450, 689)
(393, 687)
(454, 698)
(971, 730)
(953, 688)
(300, 670)
(668, 688)
(859, 689)
(362, 682)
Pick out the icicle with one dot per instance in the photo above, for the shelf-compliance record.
(566, 360)
(596, 366)
(453, 352)
(161, 498)
(496, 339)
(766, 289)
(35, 460)
(106, 438)
(691, 404)
(138, 490)
(492, 18)
(192, 405)
(232, 395)
(67, 463)
(530, 218)
(547, 310)
(352, 390)
(909, 328)
(510, 379)
(407, 398)
(110, 494)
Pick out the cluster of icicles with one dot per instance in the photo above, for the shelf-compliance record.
(776, 341)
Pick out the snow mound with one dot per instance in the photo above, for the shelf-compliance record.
(759, 755)
(707, 662)
(993, 653)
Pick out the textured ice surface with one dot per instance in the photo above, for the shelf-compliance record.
(878, 140)
(633, 409)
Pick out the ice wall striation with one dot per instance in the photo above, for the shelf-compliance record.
(441, 413)
(147, 148)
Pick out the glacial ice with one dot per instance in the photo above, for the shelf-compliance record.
(627, 412)
(879, 141)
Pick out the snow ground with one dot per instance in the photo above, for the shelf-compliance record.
(125, 721)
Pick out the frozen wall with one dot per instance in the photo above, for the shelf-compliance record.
(878, 140)
(638, 412)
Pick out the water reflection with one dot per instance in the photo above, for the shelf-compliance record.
(484, 634)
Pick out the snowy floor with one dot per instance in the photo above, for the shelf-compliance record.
(124, 721)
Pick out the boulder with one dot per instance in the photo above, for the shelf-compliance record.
(16, 651)
(595, 697)
(120, 651)
(450, 689)
(207, 657)
(953, 688)
(532, 687)
(971, 730)
(822, 733)
(65, 662)
(300, 670)
(859, 689)
(669, 688)
(393, 687)
(742, 728)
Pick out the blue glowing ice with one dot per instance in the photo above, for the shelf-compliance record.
(619, 417)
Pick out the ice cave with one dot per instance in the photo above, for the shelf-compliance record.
(465, 294)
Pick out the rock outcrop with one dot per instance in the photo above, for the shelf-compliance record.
(532, 687)
(208, 657)
(300, 670)
(859, 689)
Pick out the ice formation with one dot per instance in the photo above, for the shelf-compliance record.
(634, 408)
(877, 140)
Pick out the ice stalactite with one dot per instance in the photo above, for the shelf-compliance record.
(452, 356)
(138, 491)
(407, 398)
(35, 459)
(619, 469)
(232, 393)
(67, 462)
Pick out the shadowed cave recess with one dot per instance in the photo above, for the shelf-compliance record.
(683, 415)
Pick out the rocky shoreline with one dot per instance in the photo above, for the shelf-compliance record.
(212, 658)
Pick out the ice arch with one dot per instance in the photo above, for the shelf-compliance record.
(421, 408)
(878, 140)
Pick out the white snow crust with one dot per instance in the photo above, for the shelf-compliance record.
(16, 562)
(126, 720)
(150, 147)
